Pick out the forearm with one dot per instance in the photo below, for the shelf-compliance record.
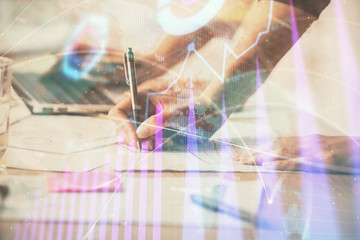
(267, 34)
(264, 39)
(173, 49)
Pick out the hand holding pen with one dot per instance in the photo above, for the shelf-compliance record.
(130, 75)
(152, 102)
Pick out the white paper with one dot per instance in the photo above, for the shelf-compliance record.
(45, 161)
(62, 134)
(60, 143)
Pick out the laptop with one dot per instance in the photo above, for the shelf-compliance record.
(81, 83)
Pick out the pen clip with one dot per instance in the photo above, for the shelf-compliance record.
(125, 69)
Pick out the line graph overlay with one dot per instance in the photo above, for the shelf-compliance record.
(227, 48)
(191, 48)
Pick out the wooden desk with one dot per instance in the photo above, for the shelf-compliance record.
(312, 206)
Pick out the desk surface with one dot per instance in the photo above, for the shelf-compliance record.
(302, 205)
(156, 205)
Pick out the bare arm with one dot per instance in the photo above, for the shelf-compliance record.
(268, 50)
(266, 34)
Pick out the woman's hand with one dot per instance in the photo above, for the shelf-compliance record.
(296, 153)
(158, 101)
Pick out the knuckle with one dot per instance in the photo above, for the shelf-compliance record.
(328, 157)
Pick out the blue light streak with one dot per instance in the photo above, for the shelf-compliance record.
(74, 67)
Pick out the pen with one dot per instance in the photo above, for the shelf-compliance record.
(215, 205)
(130, 76)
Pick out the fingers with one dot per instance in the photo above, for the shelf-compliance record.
(269, 151)
(284, 165)
(268, 162)
(158, 106)
(121, 112)
(148, 127)
(161, 106)
(249, 157)
(153, 85)
(294, 164)
(301, 153)
(125, 128)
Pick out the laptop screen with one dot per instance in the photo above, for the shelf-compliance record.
(73, 83)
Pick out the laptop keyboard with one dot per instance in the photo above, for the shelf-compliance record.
(55, 88)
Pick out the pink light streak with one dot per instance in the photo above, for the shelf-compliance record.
(117, 204)
(35, 214)
(157, 175)
(93, 206)
(17, 231)
(106, 178)
(84, 179)
(263, 132)
(351, 77)
(71, 211)
(303, 96)
(223, 232)
(143, 196)
(190, 232)
(350, 74)
(26, 227)
(304, 101)
(129, 194)
(61, 209)
(52, 216)
(43, 216)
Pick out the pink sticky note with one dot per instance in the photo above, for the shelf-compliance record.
(84, 182)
